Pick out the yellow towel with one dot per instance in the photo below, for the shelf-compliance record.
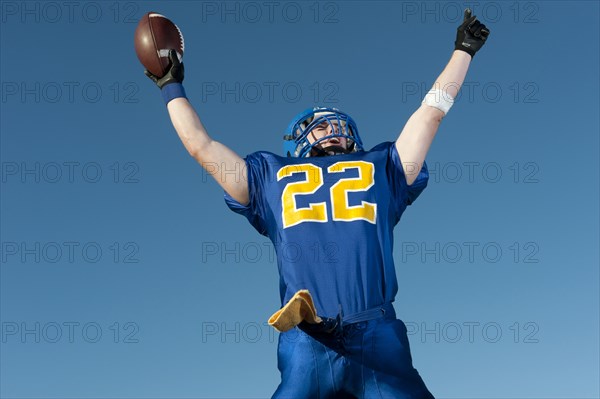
(299, 307)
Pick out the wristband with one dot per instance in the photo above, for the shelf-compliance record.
(439, 99)
(172, 91)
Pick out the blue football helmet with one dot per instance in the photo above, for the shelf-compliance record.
(297, 144)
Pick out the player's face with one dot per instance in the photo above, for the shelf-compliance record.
(326, 129)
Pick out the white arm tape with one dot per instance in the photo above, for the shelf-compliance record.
(439, 99)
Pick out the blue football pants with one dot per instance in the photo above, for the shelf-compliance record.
(369, 359)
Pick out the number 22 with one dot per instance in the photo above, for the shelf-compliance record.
(313, 180)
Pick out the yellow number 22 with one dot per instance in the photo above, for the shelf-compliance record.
(313, 180)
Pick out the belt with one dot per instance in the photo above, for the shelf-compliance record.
(331, 324)
(371, 314)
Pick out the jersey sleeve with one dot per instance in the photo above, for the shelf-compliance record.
(255, 210)
(404, 194)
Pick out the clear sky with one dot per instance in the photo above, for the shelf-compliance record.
(124, 275)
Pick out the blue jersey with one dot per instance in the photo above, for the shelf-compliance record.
(331, 220)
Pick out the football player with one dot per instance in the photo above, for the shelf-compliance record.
(339, 333)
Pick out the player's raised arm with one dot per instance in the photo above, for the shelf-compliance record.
(212, 155)
(420, 129)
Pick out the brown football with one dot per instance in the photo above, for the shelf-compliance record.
(155, 35)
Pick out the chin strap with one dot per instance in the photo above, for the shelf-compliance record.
(336, 149)
(320, 152)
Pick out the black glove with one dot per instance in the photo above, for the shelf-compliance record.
(471, 35)
(173, 75)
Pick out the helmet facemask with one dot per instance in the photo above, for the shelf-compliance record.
(303, 142)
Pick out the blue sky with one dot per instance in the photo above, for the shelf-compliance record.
(123, 273)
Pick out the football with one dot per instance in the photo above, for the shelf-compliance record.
(155, 35)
